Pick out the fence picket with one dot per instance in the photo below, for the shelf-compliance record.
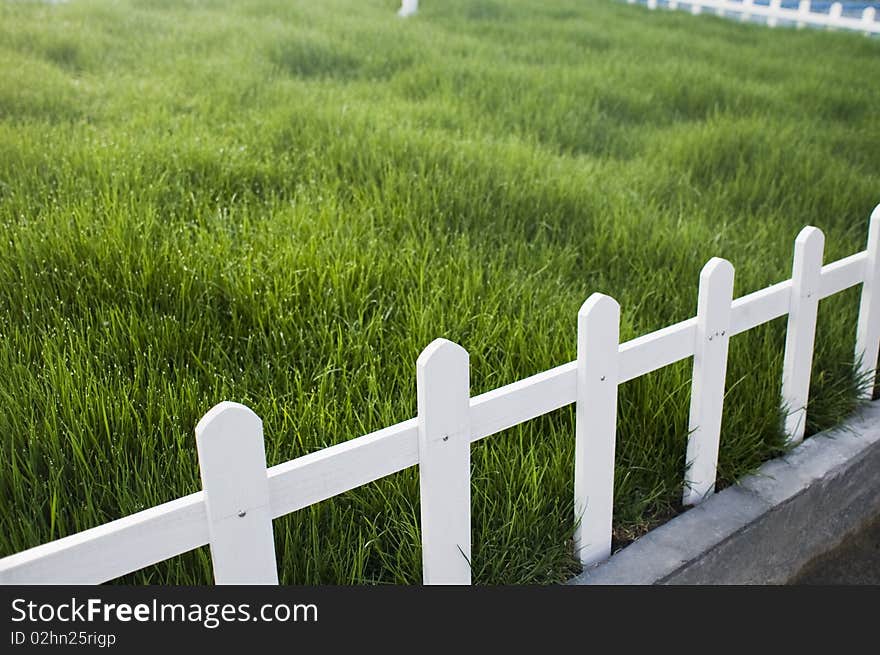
(232, 462)
(596, 426)
(803, 10)
(443, 381)
(775, 6)
(835, 13)
(800, 338)
(408, 8)
(707, 384)
(868, 330)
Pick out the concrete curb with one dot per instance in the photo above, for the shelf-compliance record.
(766, 528)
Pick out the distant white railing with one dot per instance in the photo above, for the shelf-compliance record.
(233, 513)
(408, 8)
(774, 12)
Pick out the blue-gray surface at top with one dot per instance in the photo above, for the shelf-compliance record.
(849, 8)
(853, 9)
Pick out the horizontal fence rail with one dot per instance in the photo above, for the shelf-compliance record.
(774, 12)
(240, 496)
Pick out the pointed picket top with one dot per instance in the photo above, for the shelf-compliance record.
(230, 431)
(836, 10)
(598, 303)
(717, 273)
(808, 247)
(438, 349)
(226, 411)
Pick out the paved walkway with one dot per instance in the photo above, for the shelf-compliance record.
(855, 561)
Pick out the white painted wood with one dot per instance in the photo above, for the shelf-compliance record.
(408, 8)
(748, 9)
(113, 549)
(770, 303)
(835, 12)
(846, 23)
(775, 6)
(868, 329)
(842, 274)
(803, 12)
(801, 332)
(657, 349)
(759, 307)
(515, 403)
(595, 426)
(328, 472)
(232, 464)
(868, 18)
(443, 381)
(707, 384)
(765, 305)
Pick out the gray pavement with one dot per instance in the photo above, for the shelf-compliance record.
(855, 562)
(786, 522)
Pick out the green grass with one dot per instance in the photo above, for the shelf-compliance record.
(281, 203)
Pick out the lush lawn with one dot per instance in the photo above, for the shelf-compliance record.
(281, 203)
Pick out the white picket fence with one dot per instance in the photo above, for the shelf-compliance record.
(240, 497)
(747, 10)
(774, 12)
